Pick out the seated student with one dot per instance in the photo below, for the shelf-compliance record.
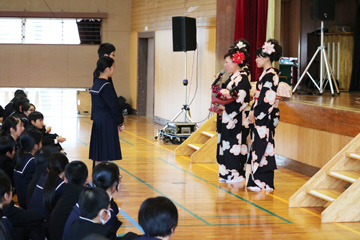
(158, 217)
(5, 199)
(21, 106)
(7, 162)
(41, 162)
(36, 121)
(94, 213)
(106, 175)
(49, 188)
(9, 108)
(25, 164)
(13, 128)
(76, 174)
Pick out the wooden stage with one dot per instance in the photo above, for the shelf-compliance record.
(313, 128)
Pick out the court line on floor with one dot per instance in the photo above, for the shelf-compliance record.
(276, 197)
(130, 219)
(84, 143)
(233, 194)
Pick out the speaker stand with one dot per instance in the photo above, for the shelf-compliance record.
(323, 59)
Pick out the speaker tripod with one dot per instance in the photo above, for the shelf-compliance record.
(179, 131)
(323, 59)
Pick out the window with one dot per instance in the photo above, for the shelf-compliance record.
(49, 31)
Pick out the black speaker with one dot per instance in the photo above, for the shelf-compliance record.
(184, 34)
(323, 10)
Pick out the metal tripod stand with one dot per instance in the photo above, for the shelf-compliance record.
(323, 59)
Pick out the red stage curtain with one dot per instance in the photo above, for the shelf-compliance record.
(251, 16)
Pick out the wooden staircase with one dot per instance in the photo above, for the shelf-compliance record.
(201, 145)
(336, 187)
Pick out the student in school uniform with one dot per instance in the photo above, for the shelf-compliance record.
(9, 108)
(20, 108)
(49, 188)
(49, 139)
(13, 128)
(5, 199)
(106, 175)
(158, 217)
(25, 164)
(93, 205)
(76, 174)
(7, 152)
(106, 115)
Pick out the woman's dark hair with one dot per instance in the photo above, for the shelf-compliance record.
(91, 201)
(56, 165)
(233, 51)
(19, 93)
(76, 173)
(6, 145)
(20, 101)
(43, 154)
(105, 175)
(101, 65)
(28, 139)
(10, 122)
(158, 216)
(106, 48)
(275, 56)
(5, 184)
(25, 106)
(35, 116)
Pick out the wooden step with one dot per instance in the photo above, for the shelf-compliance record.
(349, 176)
(195, 146)
(354, 155)
(209, 133)
(325, 194)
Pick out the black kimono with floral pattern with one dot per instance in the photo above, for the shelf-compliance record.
(232, 148)
(267, 115)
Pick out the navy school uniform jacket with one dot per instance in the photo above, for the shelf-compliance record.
(23, 176)
(36, 201)
(84, 227)
(7, 164)
(7, 226)
(114, 222)
(62, 210)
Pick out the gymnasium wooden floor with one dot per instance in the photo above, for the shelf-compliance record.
(207, 209)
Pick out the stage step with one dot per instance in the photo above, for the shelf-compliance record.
(349, 176)
(195, 146)
(209, 133)
(353, 155)
(325, 194)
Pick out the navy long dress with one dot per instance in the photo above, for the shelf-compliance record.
(106, 116)
(267, 115)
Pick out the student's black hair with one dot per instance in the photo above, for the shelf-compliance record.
(91, 201)
(25, 106)
(101, 65)
(20, 101)
(31, 104)
(275, 56)
(10, 122)
(105, 175)
(5, 184)
(233, 51)
(28, 139)
(76, 173)
(158, 216)
(56, 165)
(6, 145)
(43, 154)
(19, 93)
(35, 116)
(106, 48)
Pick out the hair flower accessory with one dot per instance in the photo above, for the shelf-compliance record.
(240, 45)
(238, 57)
(268, 48)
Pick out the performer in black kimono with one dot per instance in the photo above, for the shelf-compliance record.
(232, 148)
(106, 114)
(265, 116)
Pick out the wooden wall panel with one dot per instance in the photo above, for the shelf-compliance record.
(68, 65)
(133, 69)
(306, 145)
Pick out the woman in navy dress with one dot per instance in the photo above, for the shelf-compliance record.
(106, 115)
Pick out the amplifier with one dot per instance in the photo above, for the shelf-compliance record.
(181, 128)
